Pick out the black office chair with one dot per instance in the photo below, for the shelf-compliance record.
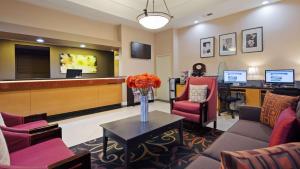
(226, 99)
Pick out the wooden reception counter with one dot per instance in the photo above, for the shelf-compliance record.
(58, 96)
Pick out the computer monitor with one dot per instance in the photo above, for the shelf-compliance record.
(74, 73)
(235, 76)
(286, 76)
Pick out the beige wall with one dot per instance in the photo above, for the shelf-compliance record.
(105, 60)
(281, 39)
(131, 66)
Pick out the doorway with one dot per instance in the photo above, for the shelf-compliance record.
(164, 72)
(32, 62)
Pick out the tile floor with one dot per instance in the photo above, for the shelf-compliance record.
(81, 129)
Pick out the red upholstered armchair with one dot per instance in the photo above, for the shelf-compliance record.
(202, 113)
(44, 150)
(28, 124)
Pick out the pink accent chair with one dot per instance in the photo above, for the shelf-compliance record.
(28, 124)
(44, 150)
(202, 113)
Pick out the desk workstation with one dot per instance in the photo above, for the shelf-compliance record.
(253, 91)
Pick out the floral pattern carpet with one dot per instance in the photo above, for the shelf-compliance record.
(161, 152)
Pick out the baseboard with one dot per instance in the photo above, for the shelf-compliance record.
(70, 115)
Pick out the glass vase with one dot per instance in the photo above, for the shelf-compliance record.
(144, 108)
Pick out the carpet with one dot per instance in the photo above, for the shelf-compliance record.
(161, 152)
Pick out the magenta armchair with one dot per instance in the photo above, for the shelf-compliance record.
(28, 124)
(202, 113)
(44, 150)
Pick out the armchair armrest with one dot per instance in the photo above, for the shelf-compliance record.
(16, 141)
(35, 117)
(11, 129)
(12, 120)
(78, 161)
(42, 129)
(46, 135)
(249, 113)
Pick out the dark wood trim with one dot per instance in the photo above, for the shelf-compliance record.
(35, 117)
(42, 129)
(78, 161)
(69, 115)
(47, 135)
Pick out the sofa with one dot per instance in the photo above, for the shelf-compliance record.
(247, 134)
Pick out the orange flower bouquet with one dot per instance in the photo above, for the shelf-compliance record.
(143, 82)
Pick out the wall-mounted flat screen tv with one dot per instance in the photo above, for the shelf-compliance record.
(140, 51)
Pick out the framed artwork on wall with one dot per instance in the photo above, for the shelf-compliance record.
(207, 47)
(227, 44)
(252, 40)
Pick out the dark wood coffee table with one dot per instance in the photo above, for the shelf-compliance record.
(130, 132)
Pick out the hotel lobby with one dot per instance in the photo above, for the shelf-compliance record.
(160, 84)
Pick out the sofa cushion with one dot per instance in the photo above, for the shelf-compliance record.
(32, 125)
(285, 128)
(233, 142)
(273, 105)
(252, 129)
(187, 106)
(188, 116)
(4, 154)
(42, 154)
(285, 156)
(203, 162)
(197, 93)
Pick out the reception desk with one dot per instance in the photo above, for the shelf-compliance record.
(58, 96)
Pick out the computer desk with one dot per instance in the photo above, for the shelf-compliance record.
(254, 91)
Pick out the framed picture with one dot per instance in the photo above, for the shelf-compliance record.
(207, 47)
(253, 40)
(227, 44)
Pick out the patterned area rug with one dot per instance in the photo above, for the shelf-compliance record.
(161, 152)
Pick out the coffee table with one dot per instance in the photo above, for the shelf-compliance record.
(130, 132)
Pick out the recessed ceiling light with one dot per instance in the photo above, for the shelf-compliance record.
(82, 45)
(40, 40)
(195, 22)
(265, 2)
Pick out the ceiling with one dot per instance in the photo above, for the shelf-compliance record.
(185, 12)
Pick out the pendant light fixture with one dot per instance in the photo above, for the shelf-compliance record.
(152, 19)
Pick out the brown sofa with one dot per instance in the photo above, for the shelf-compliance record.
(248, 133)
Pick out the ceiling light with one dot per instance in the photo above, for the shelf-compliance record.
(154, 19)
(40, 40)
(82, 45)
(265, 2)
(195, 22)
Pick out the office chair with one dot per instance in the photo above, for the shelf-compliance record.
(226, 99)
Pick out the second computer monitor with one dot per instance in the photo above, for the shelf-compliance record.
(235, 76)
(286, 76)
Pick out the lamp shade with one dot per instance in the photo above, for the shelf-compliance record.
(154, 20)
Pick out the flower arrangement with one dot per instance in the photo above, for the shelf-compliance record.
(143, 82)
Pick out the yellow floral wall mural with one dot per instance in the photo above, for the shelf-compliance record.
(88, 63)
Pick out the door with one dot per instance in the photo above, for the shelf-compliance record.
(163, 70)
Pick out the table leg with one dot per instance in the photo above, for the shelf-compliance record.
(105, 139)
(181, 132)
(126, 156)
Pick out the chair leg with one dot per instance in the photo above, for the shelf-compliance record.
(215, 124)
(232, 114)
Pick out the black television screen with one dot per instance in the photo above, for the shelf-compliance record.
(140, 51)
